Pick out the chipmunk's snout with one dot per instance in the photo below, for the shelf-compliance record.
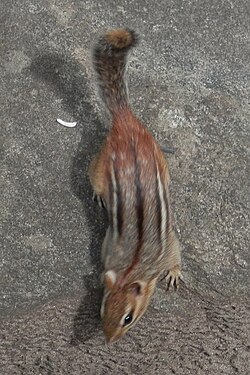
(110, 339)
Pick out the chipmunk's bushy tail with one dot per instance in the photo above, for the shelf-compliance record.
(109, 58)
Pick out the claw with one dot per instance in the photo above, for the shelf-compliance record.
(173, 277)
(168, 150)
(99, 200)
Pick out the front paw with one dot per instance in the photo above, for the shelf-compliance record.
(174, 276)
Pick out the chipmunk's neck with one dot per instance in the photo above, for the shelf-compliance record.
(139, 272)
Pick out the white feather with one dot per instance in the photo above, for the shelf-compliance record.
(67, 124)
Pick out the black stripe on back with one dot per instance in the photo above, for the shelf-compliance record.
(139, 196)
(139, 202)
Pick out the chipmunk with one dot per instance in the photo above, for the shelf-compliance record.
(130, 176)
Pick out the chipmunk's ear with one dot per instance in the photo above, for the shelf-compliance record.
(137, 287)
(110, 278)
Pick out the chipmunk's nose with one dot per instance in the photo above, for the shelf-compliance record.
(110, 339)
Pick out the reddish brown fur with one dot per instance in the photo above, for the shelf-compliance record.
(130, 174)
(116, 302)
(125, 127)
(120, 38)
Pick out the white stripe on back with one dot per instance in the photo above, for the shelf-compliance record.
(163, 207)
(115, 206)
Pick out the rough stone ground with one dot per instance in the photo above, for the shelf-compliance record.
(189, 82)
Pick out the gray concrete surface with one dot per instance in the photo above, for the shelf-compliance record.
(189, 82)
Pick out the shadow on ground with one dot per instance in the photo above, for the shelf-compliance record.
(66, 78)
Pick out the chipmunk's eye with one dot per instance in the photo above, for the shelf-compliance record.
(128, 319)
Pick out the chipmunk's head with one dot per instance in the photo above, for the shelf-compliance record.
(123, 305)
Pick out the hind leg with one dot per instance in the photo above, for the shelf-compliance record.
(96, 175)
(100, 201)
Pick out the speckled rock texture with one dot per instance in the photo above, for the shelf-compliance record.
(189, 83)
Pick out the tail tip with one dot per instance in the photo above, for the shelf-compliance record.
(121, 38)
